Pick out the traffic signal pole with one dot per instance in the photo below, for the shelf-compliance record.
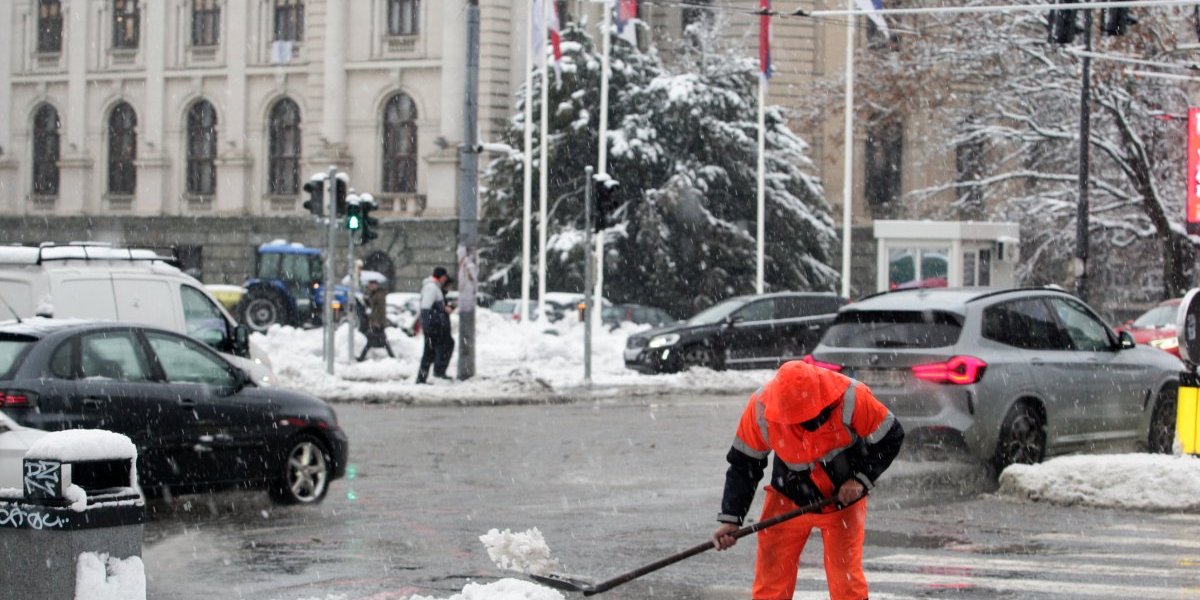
(351, 315)
(330, 245)
(468, 202)
(1085, 132)
(588, 298)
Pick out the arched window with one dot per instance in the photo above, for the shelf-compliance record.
(122, 150)
(45, 151)
(400, 145)
(202, 149)
(285, 148)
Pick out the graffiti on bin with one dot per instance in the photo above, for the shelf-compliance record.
(17, 517)
(43, 478)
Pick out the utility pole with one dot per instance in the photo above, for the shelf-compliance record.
(330, 247)
(468, 202)
(351, 294)
(1085, 131)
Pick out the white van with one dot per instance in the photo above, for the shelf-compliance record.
(97, 281)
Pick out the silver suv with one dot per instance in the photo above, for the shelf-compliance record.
(1018, 374)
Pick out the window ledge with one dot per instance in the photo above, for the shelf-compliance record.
(199, 201)
(401, 43)
(43, 202)
(281, 203)
(123, 56)
(203, 53)
(401, 203)
(48, 59)
(119, 201)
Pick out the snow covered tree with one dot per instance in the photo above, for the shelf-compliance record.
(1013, 102)
(682, 147)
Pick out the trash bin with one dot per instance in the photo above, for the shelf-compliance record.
(78, 509)
(1187, 413)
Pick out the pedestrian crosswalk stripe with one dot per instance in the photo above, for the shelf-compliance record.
(1113, 540)
(1000, 584)
(967, 562)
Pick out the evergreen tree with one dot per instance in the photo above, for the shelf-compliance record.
(683, 148)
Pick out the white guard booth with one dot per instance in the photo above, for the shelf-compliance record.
(915, 254)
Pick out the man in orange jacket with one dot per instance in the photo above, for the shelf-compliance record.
(831, 438)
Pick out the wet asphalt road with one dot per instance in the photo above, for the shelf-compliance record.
(617, 484)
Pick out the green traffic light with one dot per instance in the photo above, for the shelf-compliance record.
(353, 223)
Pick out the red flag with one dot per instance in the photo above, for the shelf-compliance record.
(1193, 171)
(764, 37)
(555, 37)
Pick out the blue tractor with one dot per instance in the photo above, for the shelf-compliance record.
(287, 289)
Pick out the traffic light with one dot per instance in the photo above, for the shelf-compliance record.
(354, 219)
(1063, 23)
(369, 223)
(315, 188)
(1117, 21)
(606, 204)
(341, 187)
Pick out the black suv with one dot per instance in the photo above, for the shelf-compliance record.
(746, 332)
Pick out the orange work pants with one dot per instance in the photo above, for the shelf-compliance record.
(779, 549)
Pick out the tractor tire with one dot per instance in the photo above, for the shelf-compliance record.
(262, 308)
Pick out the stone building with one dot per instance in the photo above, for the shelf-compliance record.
(155, 122)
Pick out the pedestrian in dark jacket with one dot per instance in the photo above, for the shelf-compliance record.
(376, 320)
(435, 326)
(831, 439)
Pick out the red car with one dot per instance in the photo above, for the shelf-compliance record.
(1156, 327)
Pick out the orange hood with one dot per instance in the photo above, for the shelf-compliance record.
(799, 392)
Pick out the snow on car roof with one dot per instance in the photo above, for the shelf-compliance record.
(39, 327)
(283, 247)
(27, 255)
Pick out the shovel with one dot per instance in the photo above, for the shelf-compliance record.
(571, 584)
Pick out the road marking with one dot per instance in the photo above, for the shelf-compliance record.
(1112, 540)
(945, 564)
(999, 584)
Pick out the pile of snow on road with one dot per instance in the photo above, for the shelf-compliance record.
(505, 589)
(524, 552)
(1129, 481)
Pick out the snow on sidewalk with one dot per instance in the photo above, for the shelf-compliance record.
(513, 362)
(1129, 481)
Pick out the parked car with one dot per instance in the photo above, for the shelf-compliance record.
(199, 422)
(512, 309)
(1017, 374)
(636, 314)
(14, 441)
(131, 285)
(563, 304)
(1157, 326)
(743, 332)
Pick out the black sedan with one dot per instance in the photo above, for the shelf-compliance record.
(199, 422)
(746, 332)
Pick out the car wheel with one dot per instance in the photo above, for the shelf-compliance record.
(306, 472)
(1162, 423)
(262, 309)
(1022, 438)
(700, 355)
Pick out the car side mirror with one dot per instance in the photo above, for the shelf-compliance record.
(241, 340)
(1126, 340)
(244, 380)
(732, 320)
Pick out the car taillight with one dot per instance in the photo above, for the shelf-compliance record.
(824, 365)
(17, 399)
(960, 370)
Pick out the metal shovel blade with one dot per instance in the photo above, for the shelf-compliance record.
(564, 583)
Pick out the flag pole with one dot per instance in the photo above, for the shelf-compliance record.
(848, 155)
(542, 170)
(762, 167)
(605, 29)
(764, 67)
(527, 164)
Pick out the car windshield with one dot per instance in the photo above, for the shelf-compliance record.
(12, 348)
(714, 314)
(1159, 316)
(893, 329)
